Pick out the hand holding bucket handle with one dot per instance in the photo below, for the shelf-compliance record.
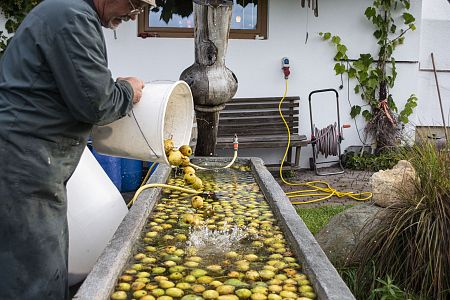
(137, 85)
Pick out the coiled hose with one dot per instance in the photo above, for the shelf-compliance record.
(327, 140)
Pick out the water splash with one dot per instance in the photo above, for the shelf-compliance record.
(213, 242)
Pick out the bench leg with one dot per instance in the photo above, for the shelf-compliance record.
(289, 157)
(297, 157)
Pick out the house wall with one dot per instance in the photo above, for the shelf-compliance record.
(257, 63)
(435, 37)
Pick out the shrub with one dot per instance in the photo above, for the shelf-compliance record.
(412, 241)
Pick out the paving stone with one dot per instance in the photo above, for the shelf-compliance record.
(349, 181)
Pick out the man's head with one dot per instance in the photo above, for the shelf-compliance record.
(113, 12)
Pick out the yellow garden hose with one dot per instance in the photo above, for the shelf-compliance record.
(173, 187)
(148, 173)
(235, 147)
(162, 185)
(320, 189)
(225, 167)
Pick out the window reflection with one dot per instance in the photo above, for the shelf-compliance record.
(244, 16)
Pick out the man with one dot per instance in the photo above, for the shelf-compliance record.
(54, 85)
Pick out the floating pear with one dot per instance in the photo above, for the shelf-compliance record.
(197, 202)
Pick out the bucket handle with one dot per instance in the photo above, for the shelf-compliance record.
(143, 135)
(161, 80)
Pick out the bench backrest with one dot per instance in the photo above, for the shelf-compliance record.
(258, 116)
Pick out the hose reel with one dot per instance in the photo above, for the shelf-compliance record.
(326, 141)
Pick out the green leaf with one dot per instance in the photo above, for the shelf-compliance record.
(356, 110)
(367, 115)
(320, 33)
(404, 119)
(370, 12)
(366, 59)
(336, 39)
(408, 18)
(338, 56)
(357, 89)
(326, 36)
(372, 83)
(339, 68)
(391, 103)
(342, 48)
(377, 34)
(351, 73)
(393, 28)
(413, 27)
(407, 4)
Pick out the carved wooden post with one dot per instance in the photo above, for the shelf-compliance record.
(211, 82)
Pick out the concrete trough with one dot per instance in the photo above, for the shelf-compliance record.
(325, 280)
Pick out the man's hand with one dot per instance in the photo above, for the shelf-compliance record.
(137, 85)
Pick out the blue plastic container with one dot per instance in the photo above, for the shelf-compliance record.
(131, 174)
(112, 167)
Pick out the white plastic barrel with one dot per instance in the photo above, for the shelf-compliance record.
(95, 210)
(166, 110)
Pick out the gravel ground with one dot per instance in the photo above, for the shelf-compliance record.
(350, 181)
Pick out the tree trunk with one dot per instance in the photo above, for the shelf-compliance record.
(211, 82)
(207, 124)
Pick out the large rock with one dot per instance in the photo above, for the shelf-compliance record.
(387, 186)
(340, 236)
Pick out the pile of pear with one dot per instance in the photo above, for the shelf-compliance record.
(165, 268)
(181, 158)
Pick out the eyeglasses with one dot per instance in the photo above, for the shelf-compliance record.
(136, 9)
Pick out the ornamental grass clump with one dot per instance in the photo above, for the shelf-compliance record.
(412, 242)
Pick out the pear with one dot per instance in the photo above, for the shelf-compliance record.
(197, 202)
(120, 295)
(168, 145)
(190, 178)
(198, 184)
(188, 170)
(186, 150)
(175, 158)
(185, 161)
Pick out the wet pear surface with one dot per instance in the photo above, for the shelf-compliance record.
(227, 246)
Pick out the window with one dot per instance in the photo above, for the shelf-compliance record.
(174, 18)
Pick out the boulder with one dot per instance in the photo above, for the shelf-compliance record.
(338, 239)
(389, 185)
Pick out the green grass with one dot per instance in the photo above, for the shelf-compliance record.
(317, 217)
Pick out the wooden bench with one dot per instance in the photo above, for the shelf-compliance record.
(258, 124)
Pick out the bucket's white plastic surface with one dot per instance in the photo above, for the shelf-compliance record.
(166, 110)
(95, 210)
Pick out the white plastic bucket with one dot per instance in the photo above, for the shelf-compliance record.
(95, 209)
(166, 110)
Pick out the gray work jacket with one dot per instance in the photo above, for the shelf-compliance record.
(54, 85)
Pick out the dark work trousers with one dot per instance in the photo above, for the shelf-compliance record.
(33, 218)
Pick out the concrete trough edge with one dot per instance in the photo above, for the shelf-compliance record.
(326, 281)
(100, 282)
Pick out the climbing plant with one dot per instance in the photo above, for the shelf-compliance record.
(14, 12)
(376, 76)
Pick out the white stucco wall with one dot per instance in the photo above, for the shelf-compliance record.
(257, 63)
(435, 37)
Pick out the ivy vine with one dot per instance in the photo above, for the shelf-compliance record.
(374, 78)
(14, 12)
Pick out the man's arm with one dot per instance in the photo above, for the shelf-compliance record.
(78, 63)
